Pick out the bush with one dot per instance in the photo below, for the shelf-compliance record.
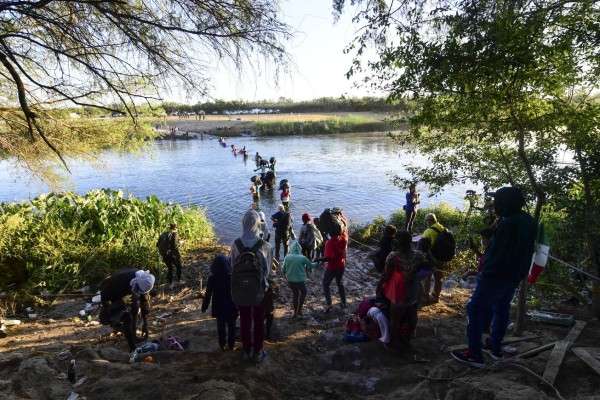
(63, 241)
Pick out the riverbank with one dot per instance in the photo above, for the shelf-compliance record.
(279, 124)
(308, 358)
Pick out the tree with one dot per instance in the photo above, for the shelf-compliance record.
(501, 88)
(56, 54)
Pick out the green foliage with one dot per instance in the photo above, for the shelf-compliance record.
(347, 124)
(117, 57)
(63, 240)
(503, 96)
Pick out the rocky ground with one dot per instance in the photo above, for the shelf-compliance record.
(308, 358)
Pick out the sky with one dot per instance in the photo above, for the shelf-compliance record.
(317, 52)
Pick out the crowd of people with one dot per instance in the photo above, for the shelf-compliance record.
(241, 286)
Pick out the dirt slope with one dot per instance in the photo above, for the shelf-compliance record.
(308, 359)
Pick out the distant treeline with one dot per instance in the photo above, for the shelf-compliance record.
(325, 104)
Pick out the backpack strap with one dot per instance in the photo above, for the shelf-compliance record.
(257, 246)
(240, 246)
(254, 249)
(435, 229)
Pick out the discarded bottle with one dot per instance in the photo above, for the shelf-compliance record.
(134, 355)
(552, 318)
(72, 372)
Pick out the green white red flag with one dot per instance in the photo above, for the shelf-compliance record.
(540, 258)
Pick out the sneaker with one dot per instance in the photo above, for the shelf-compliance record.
(466, 357)
(259, 357)
(495, 353)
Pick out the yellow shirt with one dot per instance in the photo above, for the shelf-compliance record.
(432, 234)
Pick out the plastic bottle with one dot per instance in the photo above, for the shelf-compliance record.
(72, 372)
(134, 355)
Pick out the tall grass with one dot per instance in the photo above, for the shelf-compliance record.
(352, 123)
(62, 241)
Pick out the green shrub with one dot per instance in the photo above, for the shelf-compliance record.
(63, 241)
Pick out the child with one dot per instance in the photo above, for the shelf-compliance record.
(485, 236)
(218, 288)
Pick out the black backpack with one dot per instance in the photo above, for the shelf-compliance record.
(444, 247)
(332, 222)
(247, 276)
(163, 243)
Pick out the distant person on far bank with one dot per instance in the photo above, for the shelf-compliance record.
(506, 263)
(410, 208)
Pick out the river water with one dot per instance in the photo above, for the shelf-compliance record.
(351, 171)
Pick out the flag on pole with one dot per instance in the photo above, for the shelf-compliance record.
(540, 258)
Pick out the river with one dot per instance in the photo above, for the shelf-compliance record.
(351, 171)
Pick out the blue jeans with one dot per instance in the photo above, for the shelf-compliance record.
(488, 295)
(226, 331)
(328, 276)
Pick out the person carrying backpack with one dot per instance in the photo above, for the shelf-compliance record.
(168, 247)
(251, 259)
(310, 237)
(432, 232)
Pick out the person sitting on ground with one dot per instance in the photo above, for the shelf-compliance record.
(252, 346)
(218, 290)
(431, 233)
(121, 316)
(385, 247)
(294, 268)
(172, 258)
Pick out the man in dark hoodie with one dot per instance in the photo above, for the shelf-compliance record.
(506, 262)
